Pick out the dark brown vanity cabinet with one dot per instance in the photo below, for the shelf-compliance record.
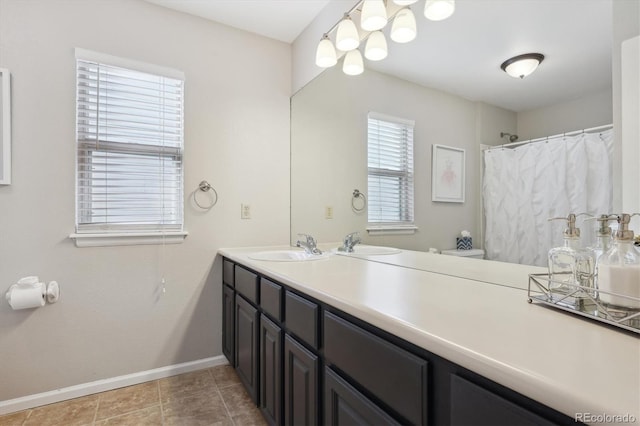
(247, 345)
(345, 406)
(304, 362)
(300, 384)
(271, 373)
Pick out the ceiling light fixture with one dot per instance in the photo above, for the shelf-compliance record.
(373, 16)
(437, 10)
(522, 65)
(326, 54)
(347, 37)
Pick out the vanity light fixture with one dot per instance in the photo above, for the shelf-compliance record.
(376, 48)
(326, 54)
(403, 29)
(522, 65)
(437, 10)
(353, 64)
(347, 37)
(373, 16)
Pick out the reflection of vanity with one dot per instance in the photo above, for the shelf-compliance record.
(380, 343)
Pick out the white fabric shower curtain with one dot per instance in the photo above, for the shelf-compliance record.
(526, 185)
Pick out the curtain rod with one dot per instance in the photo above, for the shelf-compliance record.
(546, 138)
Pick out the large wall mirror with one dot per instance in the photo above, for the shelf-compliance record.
(329, 114)
(5, 127)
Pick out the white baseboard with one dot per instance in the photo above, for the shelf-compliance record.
(30, 401)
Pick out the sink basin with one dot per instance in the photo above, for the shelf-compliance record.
(286, 256)
(371, 251)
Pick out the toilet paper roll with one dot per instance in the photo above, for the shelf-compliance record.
(21, 296)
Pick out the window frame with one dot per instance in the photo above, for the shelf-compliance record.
(406, 208)
(95, 234)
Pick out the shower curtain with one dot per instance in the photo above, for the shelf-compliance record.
(526, 185)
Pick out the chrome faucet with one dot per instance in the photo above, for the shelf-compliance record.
(309, 244)
(349, 242)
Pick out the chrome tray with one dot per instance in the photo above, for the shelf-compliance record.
(583, 301)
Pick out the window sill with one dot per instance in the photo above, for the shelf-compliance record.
(128, 238)
(392, 229)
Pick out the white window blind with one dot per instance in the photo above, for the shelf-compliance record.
(129, 150)
(390, 161)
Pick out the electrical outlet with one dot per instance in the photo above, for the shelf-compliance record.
(245, 211)
(328, 212)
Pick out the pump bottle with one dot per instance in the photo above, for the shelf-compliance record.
(619, 269)
(570, 265)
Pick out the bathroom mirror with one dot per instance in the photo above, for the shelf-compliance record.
(329, 120)
(5, 127)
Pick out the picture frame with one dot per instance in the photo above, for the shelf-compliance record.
(5, 127)
(447, 174)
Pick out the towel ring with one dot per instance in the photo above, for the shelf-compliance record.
(358, 195)
(205, 186)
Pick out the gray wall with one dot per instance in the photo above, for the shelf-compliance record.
(112, 318)
(591, 110)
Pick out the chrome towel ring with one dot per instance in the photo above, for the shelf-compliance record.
(205, 186)
(357, 195)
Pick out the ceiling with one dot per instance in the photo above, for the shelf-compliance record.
(462, 55)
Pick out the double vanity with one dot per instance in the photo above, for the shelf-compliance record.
(405, 337)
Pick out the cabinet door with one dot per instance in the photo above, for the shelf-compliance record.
(473, 405)
(300, 384)
(228, 329)
(270, 371)
(344, 405)
(247, 346)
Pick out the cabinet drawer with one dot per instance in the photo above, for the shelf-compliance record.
(396, 377)
(271, 298)
(227, 272)
(301, 317)
(247, 284)
(472, 404)
(344, 405)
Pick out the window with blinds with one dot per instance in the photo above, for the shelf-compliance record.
(390, 164)
(129, 149)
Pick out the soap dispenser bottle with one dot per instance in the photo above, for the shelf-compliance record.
(603, 237)
(569, 264)
(619, 269)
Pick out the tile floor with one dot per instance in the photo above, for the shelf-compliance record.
(212, 396)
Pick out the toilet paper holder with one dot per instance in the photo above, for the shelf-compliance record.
(51, 292)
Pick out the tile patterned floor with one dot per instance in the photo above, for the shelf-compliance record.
(207, 397)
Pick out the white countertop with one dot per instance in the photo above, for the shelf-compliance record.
(566, 362)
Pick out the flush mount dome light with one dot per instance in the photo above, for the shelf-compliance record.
(522, 65)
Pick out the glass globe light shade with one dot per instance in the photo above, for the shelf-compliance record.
(353, 64)
(403, 29)
(404, 2)
(437, 10)
(347, 37)
(374, 15)
(326, 54)
(376, 48)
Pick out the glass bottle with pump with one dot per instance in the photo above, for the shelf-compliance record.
(619, 269)
(569, 264)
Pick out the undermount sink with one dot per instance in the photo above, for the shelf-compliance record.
(371, 251)
(286, 256)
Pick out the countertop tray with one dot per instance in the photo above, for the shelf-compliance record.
(583, 301)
